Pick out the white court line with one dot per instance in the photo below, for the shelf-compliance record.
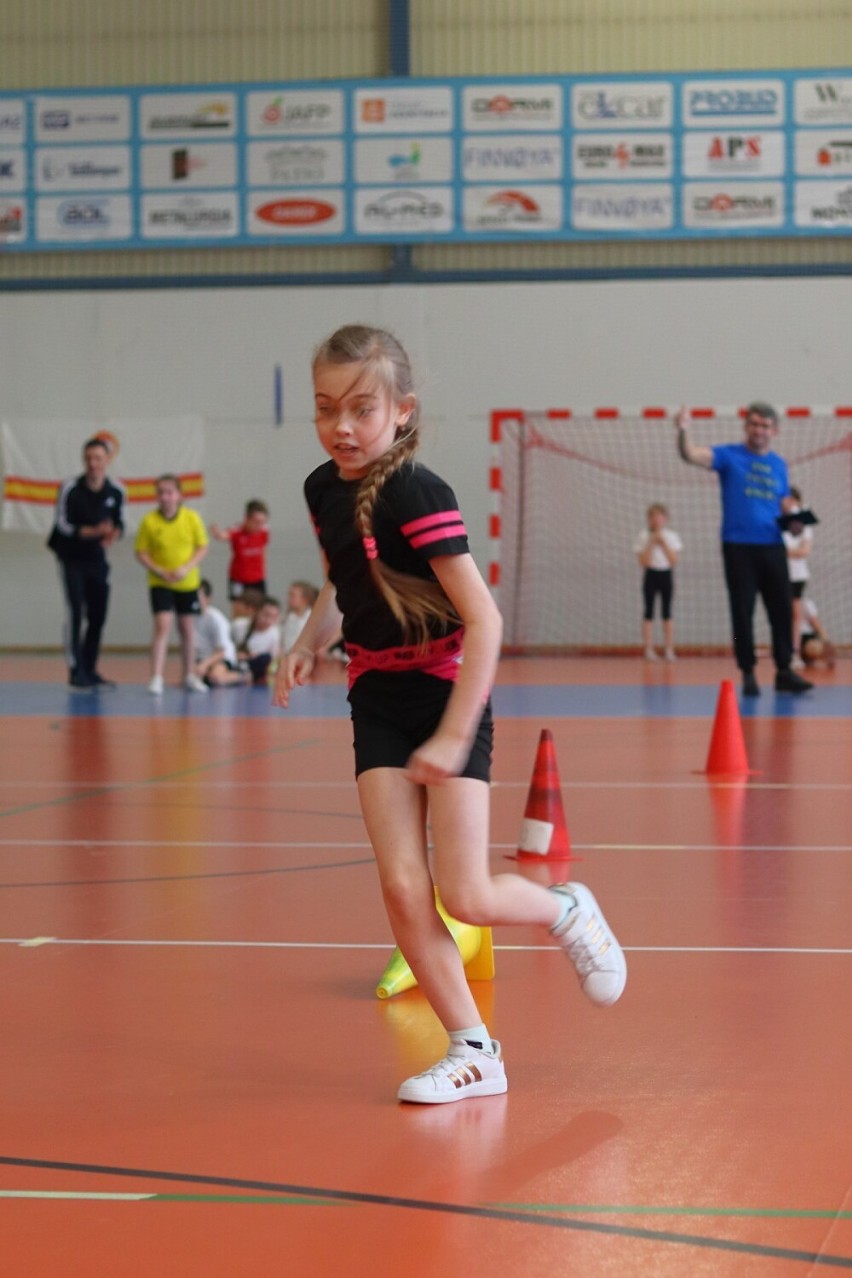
(86, 1197)
(329, 846)
(388, 945)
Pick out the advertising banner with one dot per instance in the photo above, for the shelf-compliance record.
(751, 153)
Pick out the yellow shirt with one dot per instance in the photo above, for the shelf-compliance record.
(170, 543)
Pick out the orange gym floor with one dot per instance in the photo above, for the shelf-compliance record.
(197, 1078)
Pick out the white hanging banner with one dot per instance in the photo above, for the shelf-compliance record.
(38, 456)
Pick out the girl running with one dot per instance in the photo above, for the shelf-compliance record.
(402, 583)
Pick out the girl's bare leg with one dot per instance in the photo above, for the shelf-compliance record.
(160, 642)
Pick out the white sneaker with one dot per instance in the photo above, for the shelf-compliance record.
(671, 655)
(796, 663)
(155, 687)
(192, 683)
(591, 946)
(649, 654)
(464, 1072)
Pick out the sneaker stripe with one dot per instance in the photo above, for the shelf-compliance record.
(465, 1075)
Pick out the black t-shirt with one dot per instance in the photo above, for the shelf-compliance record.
(416, 518)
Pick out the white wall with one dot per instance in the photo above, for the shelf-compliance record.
(477, 347)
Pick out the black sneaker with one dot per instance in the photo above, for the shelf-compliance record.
(750, 685)
(789, 681)
(98, 681)
(79, 679)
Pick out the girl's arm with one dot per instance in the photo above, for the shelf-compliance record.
(801, 551)
(320, 629)
(669, 551)
(644, 556)
(446, 752)
(194, 560)
(147, 562)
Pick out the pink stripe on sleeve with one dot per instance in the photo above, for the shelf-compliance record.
(429, 521)
(438, 534)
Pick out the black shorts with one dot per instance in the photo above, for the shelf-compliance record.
(236, 589)
(798, 588)
(394, 712)
(183, 602)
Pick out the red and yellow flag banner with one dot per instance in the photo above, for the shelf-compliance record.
(38, 456)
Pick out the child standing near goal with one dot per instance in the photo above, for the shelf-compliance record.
(657, 548)
(410, 599)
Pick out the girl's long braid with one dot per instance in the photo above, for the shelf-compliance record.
(413, 601)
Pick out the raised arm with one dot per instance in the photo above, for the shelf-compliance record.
(695, 454)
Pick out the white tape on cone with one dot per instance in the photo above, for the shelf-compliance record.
(535, 836)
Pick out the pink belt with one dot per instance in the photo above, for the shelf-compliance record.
(440, 658)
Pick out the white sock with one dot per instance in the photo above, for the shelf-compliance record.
(477, 1036)
(568, 903)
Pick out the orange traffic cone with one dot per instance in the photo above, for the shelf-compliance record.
(544, 834)
(727, 754)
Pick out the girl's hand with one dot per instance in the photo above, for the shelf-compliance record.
(436, 761)
(294, 670)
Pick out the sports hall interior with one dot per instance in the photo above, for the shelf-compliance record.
(197, 1075)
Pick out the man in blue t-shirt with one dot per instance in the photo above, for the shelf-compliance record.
(755, 492)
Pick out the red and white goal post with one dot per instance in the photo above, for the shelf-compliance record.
(569, 494)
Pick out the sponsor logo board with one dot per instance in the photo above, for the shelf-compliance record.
(823, 100)
(296, 163)
(169, 216)
(297, 213)
(619, 105)
(733, 206)
(189, 115)
(13, 221)
(402, 110)
(404, 211)
(304, 112)
(622, 156)
(13, 121)
(524, 210)
(83, 218)
(13, 169)
(193, 165)
(823, 153)
(733, 103)
(741, 153)
(79, 168)
(515, 107)
(622, 208)
(827, 205)
(538, 159)
(100, 118)
(403, 160)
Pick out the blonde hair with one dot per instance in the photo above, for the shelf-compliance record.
(413, 601)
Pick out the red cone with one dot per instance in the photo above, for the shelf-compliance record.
(727, 754)
(544, 835)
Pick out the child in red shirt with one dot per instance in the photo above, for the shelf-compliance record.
(248, 549)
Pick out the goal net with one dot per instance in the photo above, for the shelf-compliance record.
(570, 492)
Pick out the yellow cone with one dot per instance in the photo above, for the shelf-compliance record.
(474, 944)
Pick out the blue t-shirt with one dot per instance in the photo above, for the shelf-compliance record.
(752, 487)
